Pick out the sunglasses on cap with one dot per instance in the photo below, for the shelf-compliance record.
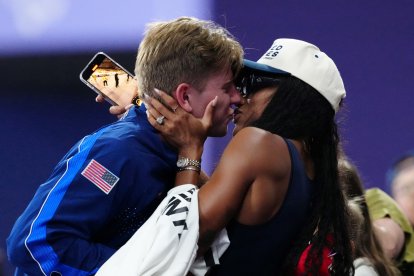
(250, 83)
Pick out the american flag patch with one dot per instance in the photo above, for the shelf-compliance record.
(100, 176)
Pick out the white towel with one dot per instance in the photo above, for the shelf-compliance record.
(166, 244)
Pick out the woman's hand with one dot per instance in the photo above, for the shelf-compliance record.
(180, 128)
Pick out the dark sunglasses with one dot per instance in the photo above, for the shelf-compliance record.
(250, 83)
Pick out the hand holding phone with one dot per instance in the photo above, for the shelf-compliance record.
(109, 79)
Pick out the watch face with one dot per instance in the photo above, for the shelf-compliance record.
(181, 162)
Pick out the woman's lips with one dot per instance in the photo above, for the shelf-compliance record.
(236, 115)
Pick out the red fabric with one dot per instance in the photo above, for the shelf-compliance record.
(327, 256)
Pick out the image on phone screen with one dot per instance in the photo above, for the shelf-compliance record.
(107, 77)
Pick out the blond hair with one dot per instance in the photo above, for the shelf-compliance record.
(184, 50)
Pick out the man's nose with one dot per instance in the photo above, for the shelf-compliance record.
(236, 98)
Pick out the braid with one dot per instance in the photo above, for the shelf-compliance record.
(298, 111)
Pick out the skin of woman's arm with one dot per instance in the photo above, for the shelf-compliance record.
(202, 179)
(252, 156)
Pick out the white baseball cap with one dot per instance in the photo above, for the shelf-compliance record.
(306, 62)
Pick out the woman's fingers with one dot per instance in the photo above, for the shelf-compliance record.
(158, 111)
(157, 119)
(153, 114)
(151, 120)
(207, 119)
(169, 101)
(167, 112)
(178, 128)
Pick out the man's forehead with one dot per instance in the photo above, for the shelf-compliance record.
(223, 75)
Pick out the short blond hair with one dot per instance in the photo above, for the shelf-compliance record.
(184, 50)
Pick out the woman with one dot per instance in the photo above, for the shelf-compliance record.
(276, 186)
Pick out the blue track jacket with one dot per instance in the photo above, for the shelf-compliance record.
(97, 196)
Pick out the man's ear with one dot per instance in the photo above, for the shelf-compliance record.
(182, 96)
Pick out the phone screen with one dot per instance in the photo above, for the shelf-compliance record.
(107, 77)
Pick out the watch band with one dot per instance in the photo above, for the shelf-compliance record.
(189, 168)
(183, 162)
(195, 163)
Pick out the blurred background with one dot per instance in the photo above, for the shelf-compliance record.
(44, 44)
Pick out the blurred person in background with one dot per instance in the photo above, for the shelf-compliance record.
(392, 229)
(400, 178)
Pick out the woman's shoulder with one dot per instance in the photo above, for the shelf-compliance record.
(257, 144)
(258, 136)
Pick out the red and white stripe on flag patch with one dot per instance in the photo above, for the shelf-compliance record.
(100, 176)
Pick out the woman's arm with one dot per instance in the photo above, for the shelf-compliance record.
(221, 197)
(248, 184)
(252, 155)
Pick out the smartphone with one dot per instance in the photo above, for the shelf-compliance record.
(106, 77)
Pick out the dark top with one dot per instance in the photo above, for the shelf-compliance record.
(261, 249)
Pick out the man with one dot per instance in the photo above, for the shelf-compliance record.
(110, 182)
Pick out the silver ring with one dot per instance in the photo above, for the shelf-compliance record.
(160, 120)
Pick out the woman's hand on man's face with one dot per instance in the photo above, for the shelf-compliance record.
(180, 128)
